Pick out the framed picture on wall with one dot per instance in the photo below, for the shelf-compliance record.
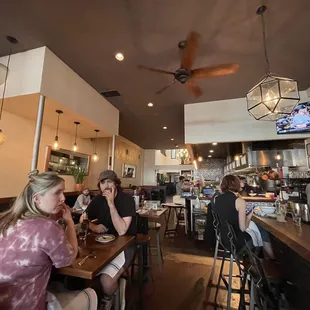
(173, 154)
(129, 171)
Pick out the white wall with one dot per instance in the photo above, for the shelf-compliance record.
(149, 175)
(16, 154)
(25, 73)
(63, 85)
(161, 159)
(229, 121)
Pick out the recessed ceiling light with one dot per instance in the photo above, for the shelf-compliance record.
(214, 143)
(176, 145)
(165, 127)
(211, 151)
(209, 156)
(119, 56)
(172, 139)
(150, 104)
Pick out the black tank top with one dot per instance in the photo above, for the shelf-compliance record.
(225, 207)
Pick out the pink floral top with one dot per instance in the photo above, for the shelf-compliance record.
(26, 258)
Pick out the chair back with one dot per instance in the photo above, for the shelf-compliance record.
(216, 224)
(264, 296)
(232, 238)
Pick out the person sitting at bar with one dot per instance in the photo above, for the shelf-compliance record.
(245, 188)
(31, 242)
(83, 200)
(232, 208)
(179, 185)
(114, 212)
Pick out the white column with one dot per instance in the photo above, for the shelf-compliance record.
(37, 135)
(113, 153)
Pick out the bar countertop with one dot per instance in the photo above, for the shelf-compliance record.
(258, 199)
(295, 237)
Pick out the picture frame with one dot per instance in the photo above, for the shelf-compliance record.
(128, 171)
(173, 154)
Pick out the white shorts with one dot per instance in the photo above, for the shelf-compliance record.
(114, 266)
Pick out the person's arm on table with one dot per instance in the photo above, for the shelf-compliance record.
(70, 229)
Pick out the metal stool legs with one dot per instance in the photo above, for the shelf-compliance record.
(214, 258)
(160, 259)
(231, 262)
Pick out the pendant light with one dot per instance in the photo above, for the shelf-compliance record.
(75, 147)
(95, 156)
(273, 97)
(56, 141)
(4, 72)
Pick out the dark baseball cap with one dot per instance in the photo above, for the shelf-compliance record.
(107, 174)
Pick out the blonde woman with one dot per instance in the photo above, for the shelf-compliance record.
(31, 242)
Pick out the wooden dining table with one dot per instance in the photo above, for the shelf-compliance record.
(105, 253)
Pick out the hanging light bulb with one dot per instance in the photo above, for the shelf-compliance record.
(75, 147)
(55, 145)
(95, 156)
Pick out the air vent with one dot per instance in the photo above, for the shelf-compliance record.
(110, 93)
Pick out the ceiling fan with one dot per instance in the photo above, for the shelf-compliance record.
(186, 75)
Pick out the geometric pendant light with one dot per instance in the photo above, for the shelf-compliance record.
(75, 147)
(56, 145)
(274, 96)
(95, 156)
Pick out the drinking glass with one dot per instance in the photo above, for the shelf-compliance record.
(83, 230)
(297, 216)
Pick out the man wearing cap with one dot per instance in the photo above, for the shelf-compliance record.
(115, 213)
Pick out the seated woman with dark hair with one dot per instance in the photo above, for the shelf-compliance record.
(232, 208)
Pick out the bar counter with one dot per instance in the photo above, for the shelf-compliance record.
(291, 244)
(258, 199)
(295, 237)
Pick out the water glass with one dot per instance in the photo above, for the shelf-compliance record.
(83, 230)
(297, 216)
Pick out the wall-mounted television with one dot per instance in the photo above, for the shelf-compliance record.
(297, 122)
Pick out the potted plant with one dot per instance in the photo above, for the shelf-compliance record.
(78, 174)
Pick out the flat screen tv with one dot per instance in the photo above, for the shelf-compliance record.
(297, 122)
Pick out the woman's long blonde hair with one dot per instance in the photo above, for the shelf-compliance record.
(24, 206)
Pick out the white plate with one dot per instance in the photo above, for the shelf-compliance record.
(105, 238)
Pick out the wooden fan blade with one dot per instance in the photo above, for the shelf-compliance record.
(193, 88)
(164, 88)
(155, 70)
(219, 70)
(190, 50)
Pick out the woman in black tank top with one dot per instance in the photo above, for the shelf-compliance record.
(230, 207)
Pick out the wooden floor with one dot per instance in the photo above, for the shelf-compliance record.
(184, 282)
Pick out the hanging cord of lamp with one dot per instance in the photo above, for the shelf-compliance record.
(260, 11)
(75, 147)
